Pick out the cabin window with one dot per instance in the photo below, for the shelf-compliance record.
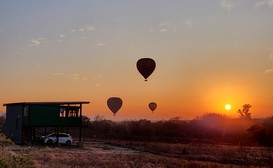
(25, 111)
(73, 112)
(62, 112)
(69, 112)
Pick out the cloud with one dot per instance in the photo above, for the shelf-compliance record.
(164, 27)
(61, 35)
(81, 29)
(58, 74)
(74, 76)
(269, 71)
(97, 79)
(262, 3)
(188, 23)
(163, 30)
(78, 77)
(35, 43)
(164, 24)
(90, 28)
(100, 43)
(227, 4)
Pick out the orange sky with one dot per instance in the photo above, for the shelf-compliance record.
(208, 54)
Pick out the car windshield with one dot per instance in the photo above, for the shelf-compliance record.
(60, 135)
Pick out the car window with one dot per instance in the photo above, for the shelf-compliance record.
(63, 135)
(59, 135)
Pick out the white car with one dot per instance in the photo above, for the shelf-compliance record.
(52, 138)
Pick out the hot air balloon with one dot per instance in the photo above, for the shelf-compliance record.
(152, 106)
(114, 104)
(146, 67)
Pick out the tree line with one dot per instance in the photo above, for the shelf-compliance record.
(209, 128)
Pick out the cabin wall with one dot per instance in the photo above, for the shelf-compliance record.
(24, 120)
(14, 123)
(43, 115)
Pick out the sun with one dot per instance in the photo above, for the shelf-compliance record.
(228, 107)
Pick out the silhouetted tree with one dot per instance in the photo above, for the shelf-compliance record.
(210, 126)
(262, 133)
(244, 113)
(175, 118)
(2, 122)
(85, 121)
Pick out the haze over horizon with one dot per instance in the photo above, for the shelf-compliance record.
(208, 54)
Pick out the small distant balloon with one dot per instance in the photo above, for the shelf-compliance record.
(146, 67)
(114, 104)
(152, 106)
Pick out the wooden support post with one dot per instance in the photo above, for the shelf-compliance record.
(45, 133)
(80, 136)
(33, 135)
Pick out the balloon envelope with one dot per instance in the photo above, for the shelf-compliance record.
(146, 67)
(114, 104)
(152, 106)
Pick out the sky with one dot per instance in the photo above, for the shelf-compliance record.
(208, 54)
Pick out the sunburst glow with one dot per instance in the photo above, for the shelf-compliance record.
(228, 107)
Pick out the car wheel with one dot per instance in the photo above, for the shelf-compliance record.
(49, 141)
(68, 143)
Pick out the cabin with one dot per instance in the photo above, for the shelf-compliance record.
(26, 122)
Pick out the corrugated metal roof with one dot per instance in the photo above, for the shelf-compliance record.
(48, 103)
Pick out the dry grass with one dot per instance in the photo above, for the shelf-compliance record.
(11, 159)
(128, 154)
(4, 141)
(146, 155)
(222, 154)
(104, 156)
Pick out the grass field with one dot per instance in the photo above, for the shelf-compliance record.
(120, 154)
(11, 159)
(209, 153)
